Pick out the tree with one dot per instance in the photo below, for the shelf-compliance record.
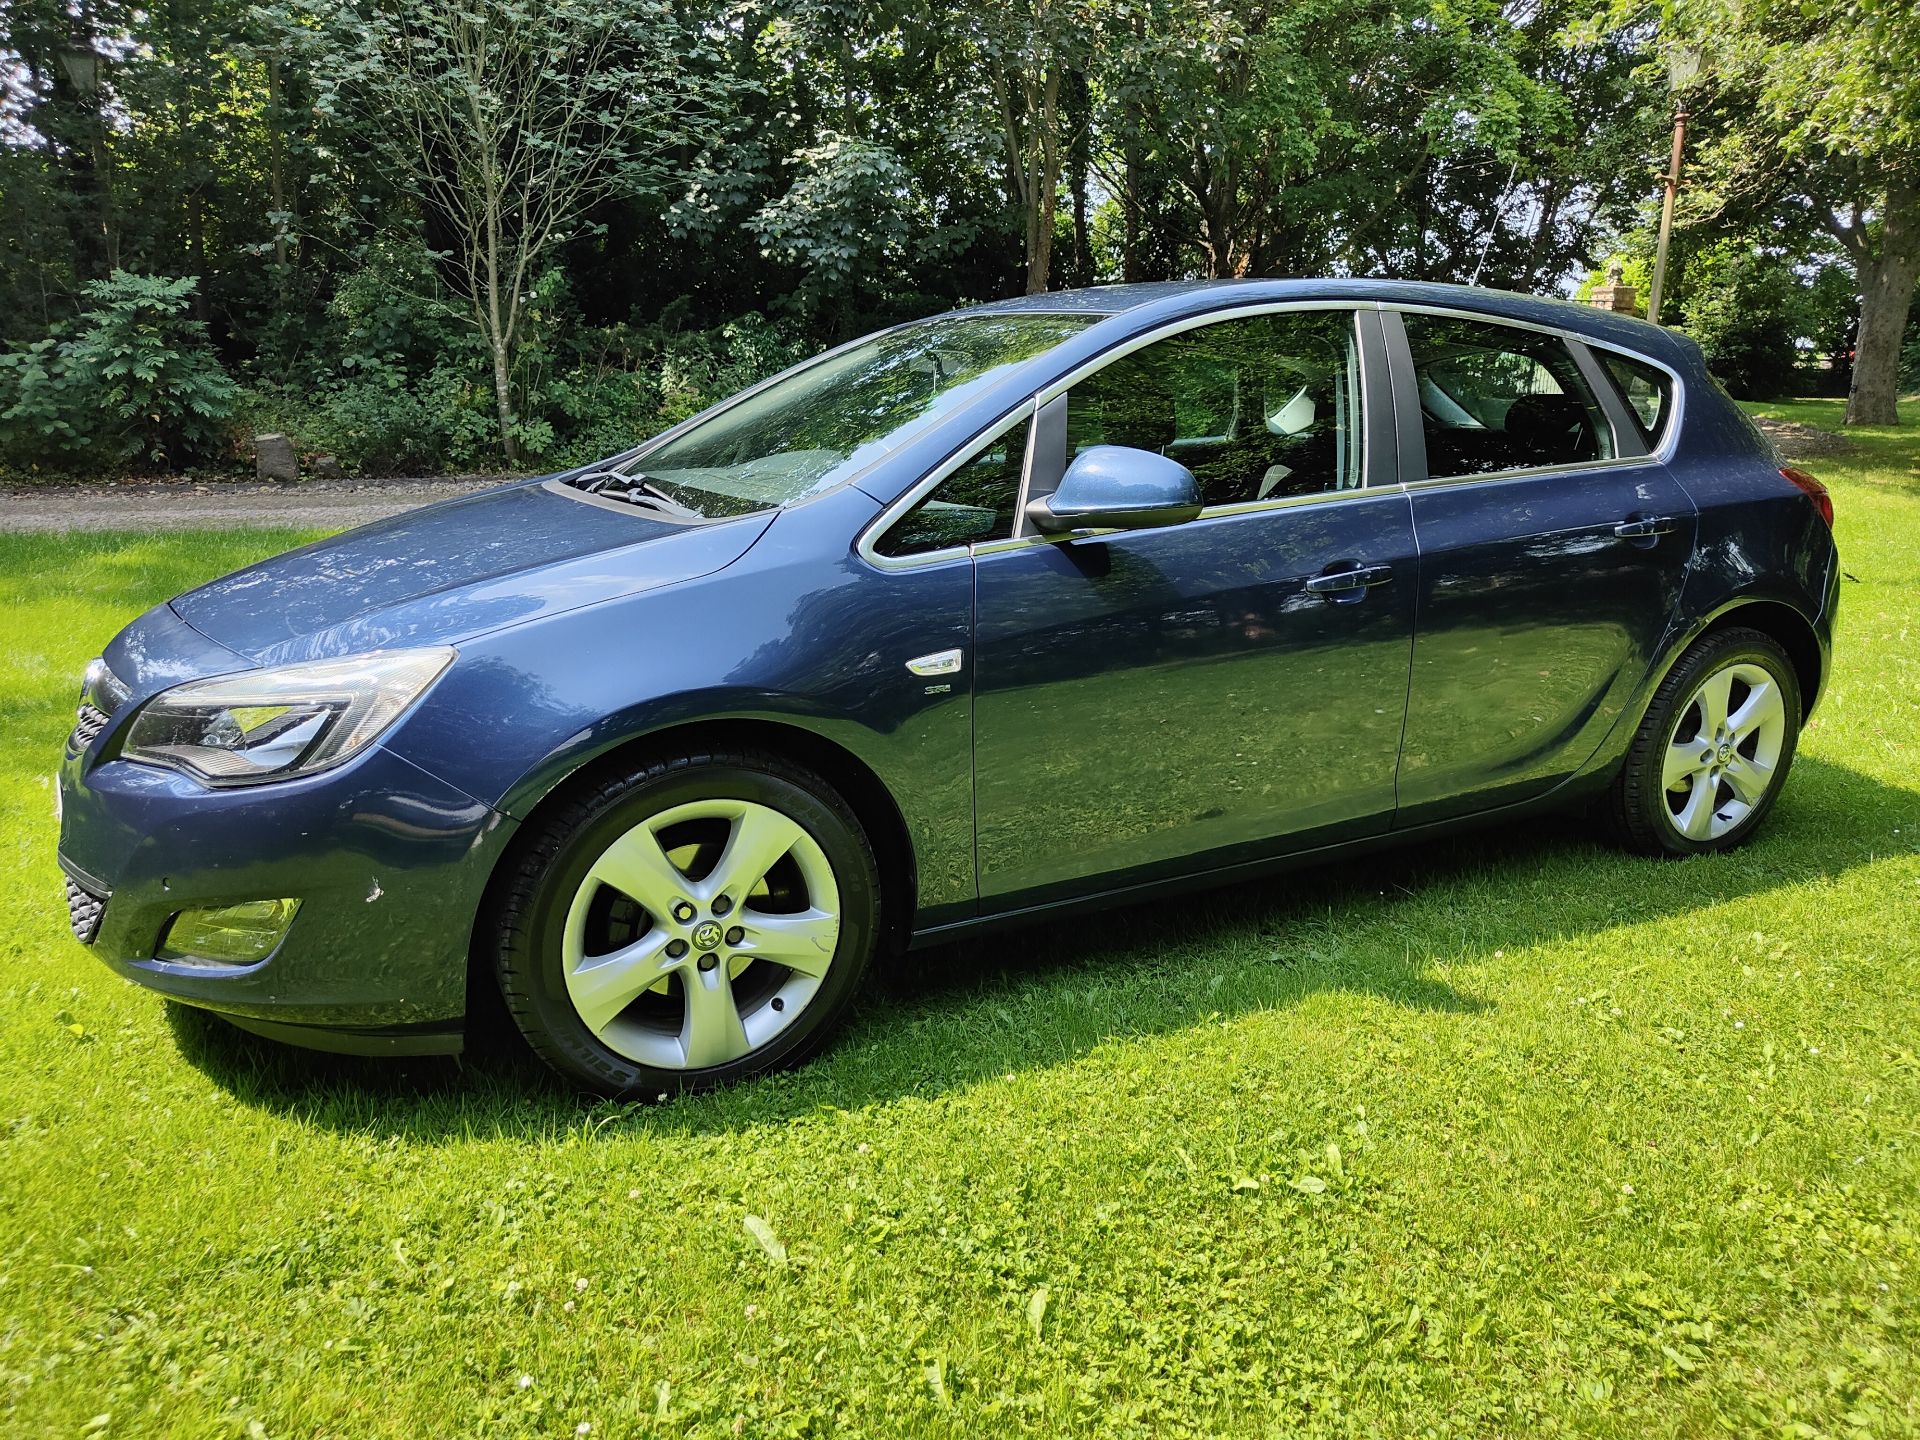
(1029, 50)
(1815, 116)
(1238, 99)
(508, 121)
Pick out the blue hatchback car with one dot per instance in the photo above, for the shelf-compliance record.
(1052, 603)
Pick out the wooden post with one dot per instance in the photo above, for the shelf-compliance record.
(1658, 287)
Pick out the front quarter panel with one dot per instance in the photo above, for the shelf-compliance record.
(801, 632)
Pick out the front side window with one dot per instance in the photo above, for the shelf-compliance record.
(1264, 407)
(1647, 390)
(1495, 398)
(821, 425)
(973, 504)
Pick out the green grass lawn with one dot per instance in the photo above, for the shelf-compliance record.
(1511, 1136)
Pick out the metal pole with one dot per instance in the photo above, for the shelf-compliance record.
(1659, 285)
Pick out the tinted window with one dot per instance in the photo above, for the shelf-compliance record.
(1647, 390)
(974, 503)
(1494, 398)
(817, 427)
(1258, 408)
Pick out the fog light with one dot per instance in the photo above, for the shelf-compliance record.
(230, 935)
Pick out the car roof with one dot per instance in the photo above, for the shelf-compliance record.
(1154, 301)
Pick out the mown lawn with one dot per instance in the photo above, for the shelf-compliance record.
(1512, 1136)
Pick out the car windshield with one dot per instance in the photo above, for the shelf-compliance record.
(808, 432)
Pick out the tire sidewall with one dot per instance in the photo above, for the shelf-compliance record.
(542, 965)
(1728, 650)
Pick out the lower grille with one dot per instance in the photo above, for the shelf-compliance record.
(92, 720)
(84, 910)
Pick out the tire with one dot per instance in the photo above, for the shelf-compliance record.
(688, 985)
(1698, 778)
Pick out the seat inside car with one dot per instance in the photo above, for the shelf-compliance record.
(1551, 430)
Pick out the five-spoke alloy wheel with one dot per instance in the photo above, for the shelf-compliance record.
(700, 919)
(1713, 750)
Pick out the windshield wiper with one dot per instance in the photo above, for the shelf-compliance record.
(636, 489)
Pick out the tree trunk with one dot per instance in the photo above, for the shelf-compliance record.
(1040, 240)
(80, 135)
(197, 251)
(503, 397)
(1043, 176)
(277, 177)
(498, 329)
(1079, 162)
(1886, 276)
(1130, 215)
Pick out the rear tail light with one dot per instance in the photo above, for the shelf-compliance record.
(1813, 490)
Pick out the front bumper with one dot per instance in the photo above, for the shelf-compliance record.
(388, 862)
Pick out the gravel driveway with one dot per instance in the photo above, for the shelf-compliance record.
(232, 505)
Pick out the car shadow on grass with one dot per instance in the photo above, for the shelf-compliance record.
(1381, 925)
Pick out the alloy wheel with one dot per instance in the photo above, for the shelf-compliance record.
(701, 934)
(1723, 756)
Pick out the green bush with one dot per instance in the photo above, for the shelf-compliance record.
(591, 394)
(133, 380)
(1747, 310)
(42, 421)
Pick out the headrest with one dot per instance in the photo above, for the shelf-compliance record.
(1546, 424)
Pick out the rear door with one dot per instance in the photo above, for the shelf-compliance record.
(1553, 548)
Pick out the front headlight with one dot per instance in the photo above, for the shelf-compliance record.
(275, 724)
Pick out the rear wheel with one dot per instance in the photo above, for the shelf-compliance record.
(1714, 749)
(696, 921)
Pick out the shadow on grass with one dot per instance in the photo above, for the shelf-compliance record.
(948, 1018)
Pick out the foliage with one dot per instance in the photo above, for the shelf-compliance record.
(44, 414)
(508, 121)
(1810, 118)
(1747, 311)
(580, 402)
(1510, 1135)
(841, 221)
(515, 199)
(135, 380)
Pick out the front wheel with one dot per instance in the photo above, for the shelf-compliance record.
(695, 921)
(1713, 752)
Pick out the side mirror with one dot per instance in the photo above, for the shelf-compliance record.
(1115, 487)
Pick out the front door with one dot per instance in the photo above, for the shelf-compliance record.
(1154, 702)
(1552, 552)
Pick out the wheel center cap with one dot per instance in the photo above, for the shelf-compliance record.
(706, 935)
(1726, 753)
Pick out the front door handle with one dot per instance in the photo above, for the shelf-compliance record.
(1351, 583)
(1644, 529)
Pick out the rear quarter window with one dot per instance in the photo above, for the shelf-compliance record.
(1647, 389)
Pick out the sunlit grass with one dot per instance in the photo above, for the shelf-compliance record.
(1511, 1136)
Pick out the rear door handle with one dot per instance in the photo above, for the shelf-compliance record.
(1352, 583)
(1644, 529)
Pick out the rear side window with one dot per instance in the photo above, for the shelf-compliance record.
(1496, 398)
(1647, 390)
(973, 504)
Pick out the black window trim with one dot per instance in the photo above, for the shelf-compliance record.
(1376, 406)
(1655, 443)
(867, 546)
(1048, 411)
(1393, 445)
(1629, 448)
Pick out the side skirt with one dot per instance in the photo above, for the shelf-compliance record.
(1566, 796)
